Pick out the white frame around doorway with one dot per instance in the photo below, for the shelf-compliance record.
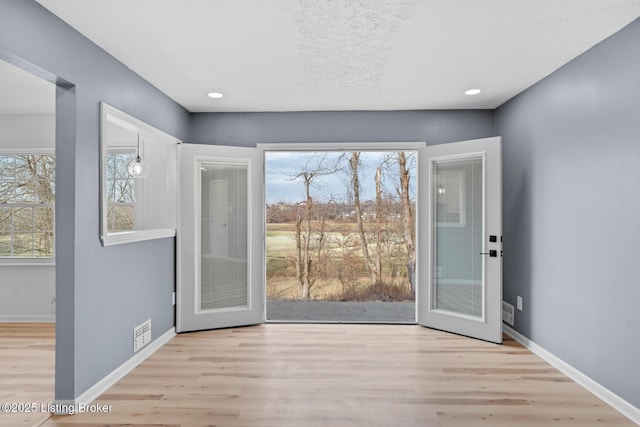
(415, 146)
(256, 313)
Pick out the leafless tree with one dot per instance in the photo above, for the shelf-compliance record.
(314, 168)
(28, 181)
(377, 233)
(120, 193)
(379, 223)
(354, 163)
(409, 228)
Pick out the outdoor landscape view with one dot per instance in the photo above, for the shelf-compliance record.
(27, 197)
(340, 226)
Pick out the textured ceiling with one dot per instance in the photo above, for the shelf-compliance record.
(292, 55)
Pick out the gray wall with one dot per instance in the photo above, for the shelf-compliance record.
(248, 129)
(102, 293)
(571, 159)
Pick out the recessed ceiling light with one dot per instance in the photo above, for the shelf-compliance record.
(472, 92)
(215, 95)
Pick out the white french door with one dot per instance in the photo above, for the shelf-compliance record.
(219, 245)
(459, 274)
(460, 238)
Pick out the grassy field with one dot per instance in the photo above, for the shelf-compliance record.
(342, 244)
(286, 288)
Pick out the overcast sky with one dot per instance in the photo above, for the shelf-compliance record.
(283, 166)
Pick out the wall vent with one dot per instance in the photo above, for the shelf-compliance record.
(507, 313)
(141, 335)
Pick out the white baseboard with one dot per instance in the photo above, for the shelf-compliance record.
(66, 407)
(27, 318)
(612, 399)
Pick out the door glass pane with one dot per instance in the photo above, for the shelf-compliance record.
(457, 264)
(223, 249)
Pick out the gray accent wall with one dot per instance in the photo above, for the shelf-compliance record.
(571, 167)
(249, 129)
(102, 293)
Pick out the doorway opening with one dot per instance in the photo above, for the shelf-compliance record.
(27, 240)
(340, 240)
(448, 197)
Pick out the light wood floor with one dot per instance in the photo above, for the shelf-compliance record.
(312, 375)
(344, 375)
(27, 359)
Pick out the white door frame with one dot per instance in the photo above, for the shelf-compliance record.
(416, 146)
(423, 231)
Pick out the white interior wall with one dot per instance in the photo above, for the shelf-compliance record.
(19, 131)
(27, 290)
(27, 293)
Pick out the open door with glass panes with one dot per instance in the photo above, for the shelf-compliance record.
(219, 244)
(461, 239)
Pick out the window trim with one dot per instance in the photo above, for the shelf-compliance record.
(13, 261)
(137, 191)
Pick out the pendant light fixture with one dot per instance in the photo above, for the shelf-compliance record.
(137, 167)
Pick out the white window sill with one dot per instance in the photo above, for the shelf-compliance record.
(137, 236)
(27, 262)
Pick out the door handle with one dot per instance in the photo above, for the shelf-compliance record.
(492, 253)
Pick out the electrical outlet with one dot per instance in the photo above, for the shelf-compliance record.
(15, 289)
(519, 303)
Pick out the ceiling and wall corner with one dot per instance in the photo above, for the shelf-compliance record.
(301, 55)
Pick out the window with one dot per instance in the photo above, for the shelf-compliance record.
(120, 190)
(27, 197)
